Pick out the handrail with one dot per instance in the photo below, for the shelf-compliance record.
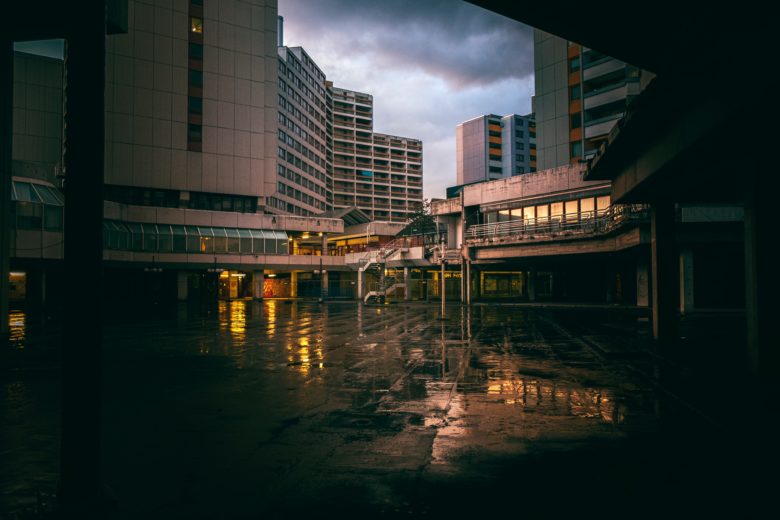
(589, 222)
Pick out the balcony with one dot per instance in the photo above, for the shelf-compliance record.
(602, 68)
(601, 126)
(610, 94)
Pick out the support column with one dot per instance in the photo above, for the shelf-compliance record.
(761, 285)
(181, 286)
(6, 136)
(323, 272)
(361, 282)
(293, 284)
(80, 476)
(407, 284)
(532, 284)
(468, 282)
(258, 285)
(686, 280)
(665, 272)
(443, 287)
(462, 278)
(642, 282)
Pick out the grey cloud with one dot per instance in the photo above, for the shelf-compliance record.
(456, 41)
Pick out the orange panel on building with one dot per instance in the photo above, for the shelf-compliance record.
(574, 78)
(574, 50)
(575, 134)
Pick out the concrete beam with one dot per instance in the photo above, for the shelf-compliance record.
(609, 244)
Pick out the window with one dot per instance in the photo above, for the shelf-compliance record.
(571, 210)
(556, 210)
(520, 157)
(574, 92)
(576, 149)
(586, 208)
(195, 105)
(196, 25)
(519, 134)
(194, 133)
(576, 120)
(196, 78)
(574, 64)
(602, 204)
(196, 51)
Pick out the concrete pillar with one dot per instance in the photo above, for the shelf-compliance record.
(462, 284)
(468, 282)
(361, 283)
(407, 284)
(665, 271)
(80, 467)
(761, 284)
(532, 284)
(443, 287)
(686, 280)
(293, 284)
(6, 136)
(642, 282)
(258, 285)
(324, 286)
(181, 286)
(324, 245)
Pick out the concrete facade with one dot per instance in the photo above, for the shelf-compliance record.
(492, 147)
(148, 80)
(379, 174)
(580, 95)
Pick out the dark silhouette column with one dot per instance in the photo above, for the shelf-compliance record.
(665, 274)
(80, 491)
(761, 285)
(6, 136)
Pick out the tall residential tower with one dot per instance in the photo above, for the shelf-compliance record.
(580, 95)
(492, 147)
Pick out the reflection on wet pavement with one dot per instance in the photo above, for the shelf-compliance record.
(280, 407)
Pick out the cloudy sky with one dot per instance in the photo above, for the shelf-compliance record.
(430, 64)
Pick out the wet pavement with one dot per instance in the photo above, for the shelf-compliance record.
(284, 409)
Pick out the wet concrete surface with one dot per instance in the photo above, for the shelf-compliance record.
(287, 409)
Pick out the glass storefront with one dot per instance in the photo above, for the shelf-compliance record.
(502, 284)
(233, 285)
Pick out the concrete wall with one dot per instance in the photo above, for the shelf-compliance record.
(471, 150)
(551, 103)
(146, 99)
(37, 116)
(532, 184)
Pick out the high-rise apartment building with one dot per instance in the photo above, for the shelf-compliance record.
(380, 174)
(191, 106)
(492, 147)
(580, 95)
(304, 184)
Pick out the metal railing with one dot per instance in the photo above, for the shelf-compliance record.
(593, 222)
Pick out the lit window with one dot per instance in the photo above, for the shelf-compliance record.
(196, 25)
(587, 207)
